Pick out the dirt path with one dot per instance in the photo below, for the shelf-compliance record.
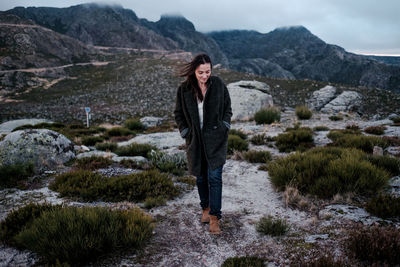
(33, 70)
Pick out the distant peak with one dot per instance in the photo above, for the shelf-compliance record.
(176, 15)
(293, 28)
(175, 20)
(102, 5)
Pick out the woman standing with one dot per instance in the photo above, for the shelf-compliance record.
(203, 114)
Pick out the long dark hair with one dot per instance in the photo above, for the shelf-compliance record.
(188, 71)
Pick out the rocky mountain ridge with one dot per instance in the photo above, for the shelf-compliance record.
(289, 52)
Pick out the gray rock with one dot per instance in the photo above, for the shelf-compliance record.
(138, 159)
(378, 151)
(348, 212)
(346, 101)
(314, 238)
(246, 102)
(9, 126)
(44, 148)
(393, 150)
(160, 140)
(321, 97)
(151, 121)
(394, 184)
(97, 154)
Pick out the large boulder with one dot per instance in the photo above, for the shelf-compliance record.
(346, 101)
(163, 140)
(247, 98)
(44, 148)
(9, 126)
(321, 97)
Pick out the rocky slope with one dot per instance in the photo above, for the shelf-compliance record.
(294, 52)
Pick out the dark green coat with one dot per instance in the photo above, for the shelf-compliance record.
(217, 115)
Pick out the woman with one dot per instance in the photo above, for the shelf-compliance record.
(203, 114)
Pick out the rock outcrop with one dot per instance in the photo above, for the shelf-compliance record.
(346, 101)
(321, 97)
(245, 101)
(44, 148)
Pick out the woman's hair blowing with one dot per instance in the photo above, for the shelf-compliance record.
(188, 71)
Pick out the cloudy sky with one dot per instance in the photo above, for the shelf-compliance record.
(360, 26)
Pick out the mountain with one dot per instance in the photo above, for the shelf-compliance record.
(26, 45)
(294, 52)
(99, 25)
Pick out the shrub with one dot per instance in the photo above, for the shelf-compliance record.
(107, 146)
(384, 206)
(246, 261)
(298, 139)
(303, 113)
(78, 235)
(238, 133)
(93, 162)
(236, 143)
(175, 163)
(19, 219)
(396, 119)
(92, 140)
(321, 128)
(379, 245)
(377, 130)
(336, 118)
(271, 226)
(134, 149)
(365, 143)
(336, 134)
(152, 202)
(190, 180)
(257, 156)
(259, 139)
(388, 163)
(15, 174)
(267, 115)
(134, 124)
(327, 171)
(353, 127)
(134, 187)
(119, 131)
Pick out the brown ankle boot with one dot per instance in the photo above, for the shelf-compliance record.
(205, 217)
(214, 225)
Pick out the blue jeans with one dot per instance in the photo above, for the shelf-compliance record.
(209, 185)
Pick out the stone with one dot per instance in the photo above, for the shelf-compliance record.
(245, 101)
(378, 151)
(151, 121)
(46, 149)
(9, 126)
(160, 140)
(393, 150)
(321, 97)
(96, 154)
(346, 101)
(138, 159)
(314, 238)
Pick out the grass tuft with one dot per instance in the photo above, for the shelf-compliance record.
(271, 226)
(267, 116)
(303, 113)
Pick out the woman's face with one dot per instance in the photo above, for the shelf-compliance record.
(203, 72)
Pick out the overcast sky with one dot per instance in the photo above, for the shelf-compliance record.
(360, 26)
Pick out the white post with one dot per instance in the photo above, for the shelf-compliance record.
(87, 109)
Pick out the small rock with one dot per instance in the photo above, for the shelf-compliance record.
(314, 238)
(378, 151)
(151, 121)
(97, 154)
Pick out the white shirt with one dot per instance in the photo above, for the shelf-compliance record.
(200, 107)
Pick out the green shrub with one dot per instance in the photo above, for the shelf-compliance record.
(134, 187)
(15, 175)
(321, 128)
(134, 124)
(119, 131)
(238, 133)
(336, 134)
(377, 130)
(396, 119)
(93, 162)
(246, 261)
(384, 206)
(303, 113)
(362, 142)
(175, 163)
(336, 118)
(78, 235)
(107, 146)
(190, 180)
(271, 226)
(236, 143)
(327, 171)
(19, 219)
(43, 125)
(376, 245)
(92, 140)
(388, 163)
(257, 156)
(134, 149)
(152, 202)
(259, 139)
(298, 139)
(267, 115)
(353, 127)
